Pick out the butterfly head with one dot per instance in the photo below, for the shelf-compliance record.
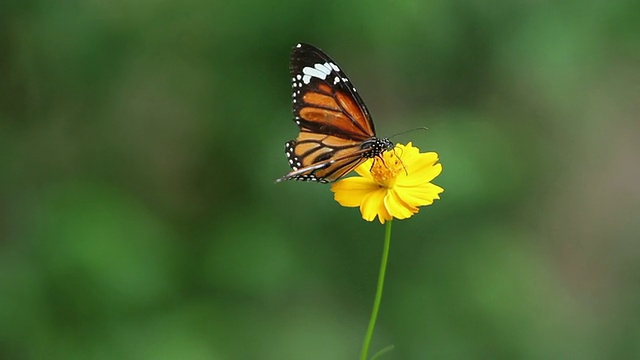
(387, 144)
(376, 147)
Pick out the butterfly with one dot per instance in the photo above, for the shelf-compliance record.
(336, 129)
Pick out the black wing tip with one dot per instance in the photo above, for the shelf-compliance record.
(303, 50)
(303, 45)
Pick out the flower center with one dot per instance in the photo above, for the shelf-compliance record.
(385, 170)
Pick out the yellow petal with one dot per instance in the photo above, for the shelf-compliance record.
(373, 204)
(418, 195)
(364, 169)
(406, 152)
(398, 208)
(420, 161)
(420, 175)
(351, 191)
(383, 215)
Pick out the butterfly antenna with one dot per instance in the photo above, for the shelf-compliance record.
(410, 130)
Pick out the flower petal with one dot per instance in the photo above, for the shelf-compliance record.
(420, 173)
(383, 215)
(407, 152)
(416, 160)
(373, 204)
(420, 195)
(398, 208)
(351, 191)
(363, 169)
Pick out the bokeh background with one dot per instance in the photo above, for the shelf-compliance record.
(140, 140)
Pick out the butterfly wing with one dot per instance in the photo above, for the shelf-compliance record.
(324, 99)
(334, 121)
(322, 158)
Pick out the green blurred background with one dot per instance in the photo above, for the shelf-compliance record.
(140, 140)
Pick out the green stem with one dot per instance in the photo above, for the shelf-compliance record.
(376, 302)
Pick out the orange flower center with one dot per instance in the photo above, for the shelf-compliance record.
(385, 170)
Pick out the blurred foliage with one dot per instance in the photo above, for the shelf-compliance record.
(139, 141)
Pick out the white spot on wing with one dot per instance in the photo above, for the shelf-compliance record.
(334, 66)
(306, 79)
(314, 72)
(325, 68)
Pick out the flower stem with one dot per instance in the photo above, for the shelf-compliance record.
(376, 302)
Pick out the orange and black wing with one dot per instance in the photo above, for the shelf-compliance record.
(324, 99)
(322, 158)
(333, 120)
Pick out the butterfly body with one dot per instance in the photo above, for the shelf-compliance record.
(336, 131)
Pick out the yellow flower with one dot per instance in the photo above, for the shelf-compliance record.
(391, 187)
